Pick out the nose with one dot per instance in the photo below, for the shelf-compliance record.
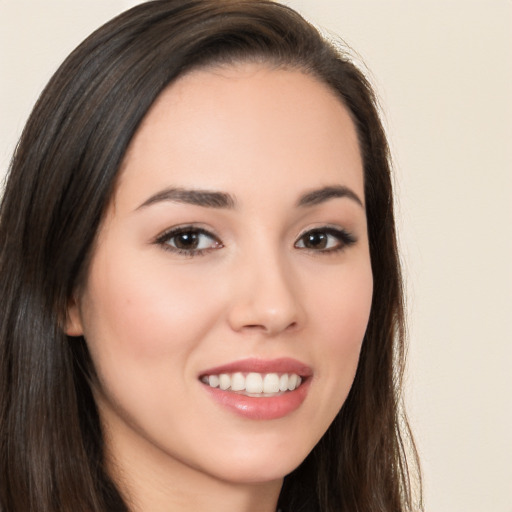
(267, 298)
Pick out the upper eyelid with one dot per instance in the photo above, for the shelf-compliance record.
(331, 228)
(164, 241)
(345, 236)
(176, 230)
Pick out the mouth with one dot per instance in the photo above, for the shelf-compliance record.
(259, 389)
(254, 384)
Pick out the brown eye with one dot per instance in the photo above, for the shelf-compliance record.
(315, 240)
(325, 240)
(188, 241)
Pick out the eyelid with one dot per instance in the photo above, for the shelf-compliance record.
(345, 238)
(163, 238)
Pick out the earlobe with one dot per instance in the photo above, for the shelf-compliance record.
(73, 322)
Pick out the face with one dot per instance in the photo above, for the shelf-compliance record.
(230, 285)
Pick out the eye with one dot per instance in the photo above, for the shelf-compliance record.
(188, 240)
(325, 239)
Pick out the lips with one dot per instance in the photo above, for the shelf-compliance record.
(259, 389)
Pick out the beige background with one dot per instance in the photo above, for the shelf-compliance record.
(444, 72)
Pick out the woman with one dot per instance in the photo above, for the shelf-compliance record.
(201, 295)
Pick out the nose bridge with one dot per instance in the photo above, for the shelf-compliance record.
(266, 297)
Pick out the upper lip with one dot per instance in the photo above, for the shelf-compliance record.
(280, 365)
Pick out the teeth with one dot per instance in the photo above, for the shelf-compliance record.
(292, 381)
(237, 382)
(254, 383)
(283, 382)
(224, 381)
(214, 381)
(271, 383)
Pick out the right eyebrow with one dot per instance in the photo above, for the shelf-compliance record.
(205, 198)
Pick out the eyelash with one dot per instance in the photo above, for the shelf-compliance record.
(166, 237)
(343, 239)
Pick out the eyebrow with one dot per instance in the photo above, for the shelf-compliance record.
(205, 198)
(321, 195)
(211, 199)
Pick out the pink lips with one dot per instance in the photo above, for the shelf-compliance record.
(262, 408)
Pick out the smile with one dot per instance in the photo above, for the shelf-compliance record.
(258, 389)
(254, 384)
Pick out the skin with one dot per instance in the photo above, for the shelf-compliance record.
(154, 319)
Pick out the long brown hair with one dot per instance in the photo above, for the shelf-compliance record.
(61, 179)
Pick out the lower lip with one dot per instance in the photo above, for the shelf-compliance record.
(261, 408)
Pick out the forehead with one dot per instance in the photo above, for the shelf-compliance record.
(239, 127)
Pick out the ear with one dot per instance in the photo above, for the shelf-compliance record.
(73, 323)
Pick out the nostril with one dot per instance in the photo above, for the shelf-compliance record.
(270, 328)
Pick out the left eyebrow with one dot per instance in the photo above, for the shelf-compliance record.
(321, 195)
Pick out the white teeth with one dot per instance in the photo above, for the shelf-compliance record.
(283, 382)
(213, 380)
(254, 383)
(271, 383)
(224, 381)
(237, 382)
(292, 381)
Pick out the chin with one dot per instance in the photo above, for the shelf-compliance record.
(250, 468)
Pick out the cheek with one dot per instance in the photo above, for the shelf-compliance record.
(344, 308)
(136, 316)
(342, 318)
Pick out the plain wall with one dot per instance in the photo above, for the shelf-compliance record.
(443, 70)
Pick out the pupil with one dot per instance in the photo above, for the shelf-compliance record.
(316, 240)
(187, 240)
